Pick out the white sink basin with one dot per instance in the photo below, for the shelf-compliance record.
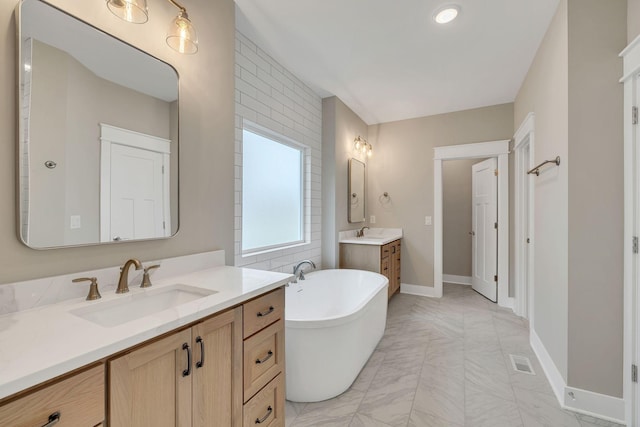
(131, 307)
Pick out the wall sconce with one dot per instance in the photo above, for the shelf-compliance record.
(181, 35)
(362, 146)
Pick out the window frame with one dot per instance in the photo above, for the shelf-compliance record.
(304, 182)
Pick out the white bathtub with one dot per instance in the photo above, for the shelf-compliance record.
(334, 319)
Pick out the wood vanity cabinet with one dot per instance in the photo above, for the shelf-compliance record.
(76, 401)
(189, 378)
(225, 371)
(385, 259)
(264, 393)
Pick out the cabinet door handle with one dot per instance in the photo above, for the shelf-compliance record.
(187, 371)
(264, 359)
(200, 363)
(53, 419)
(263, 419)
(265, 313)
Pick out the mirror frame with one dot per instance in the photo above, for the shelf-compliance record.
(350, 193)
(19, 169)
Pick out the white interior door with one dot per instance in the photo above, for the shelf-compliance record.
(485, 233)
(137, 203)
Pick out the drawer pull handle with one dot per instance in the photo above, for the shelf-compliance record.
(265, 313)
(53, 419)
(200, 363)
(187, 371)
(267, 357)
(267, 415)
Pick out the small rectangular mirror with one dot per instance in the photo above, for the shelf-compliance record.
(98, 135)
(356, 191)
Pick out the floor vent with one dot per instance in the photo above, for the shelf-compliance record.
(521, 364)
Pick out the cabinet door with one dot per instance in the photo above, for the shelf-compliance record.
(217, 378)
(147, 386)
(395, 269)
(78, 400)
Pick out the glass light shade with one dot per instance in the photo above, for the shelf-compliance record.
(181, 35)
(134, 11)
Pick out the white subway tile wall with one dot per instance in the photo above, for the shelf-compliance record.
(269, 95)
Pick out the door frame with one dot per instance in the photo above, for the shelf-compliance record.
(480, 150)
(631, 80)
(524, 138)
(114, 135)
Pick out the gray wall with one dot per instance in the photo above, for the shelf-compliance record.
(456, 213)
(207, 147)
(402, 165)
(339, 129)
(596, 35)
(572, 88)
(633, 19)
(545, 92)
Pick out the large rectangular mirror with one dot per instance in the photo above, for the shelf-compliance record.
(356, 191)
(98, 135)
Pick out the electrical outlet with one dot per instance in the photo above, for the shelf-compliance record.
(427, 220)
(372, 220)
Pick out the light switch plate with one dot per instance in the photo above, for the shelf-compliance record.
(427, 220)
(372, 219)
(74, 222)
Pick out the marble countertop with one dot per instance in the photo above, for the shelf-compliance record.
(44, 342)
(373, 236)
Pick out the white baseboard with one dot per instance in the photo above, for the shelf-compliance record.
(594, 404)
(550, 369)
(585, 402)
(460, 280)
(425, 291)
(509, 302)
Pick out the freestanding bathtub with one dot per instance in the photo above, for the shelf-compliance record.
(333, 321)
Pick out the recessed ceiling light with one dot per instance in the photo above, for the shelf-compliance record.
(446, 14)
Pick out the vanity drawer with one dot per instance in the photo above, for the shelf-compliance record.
(263, 358)
(263, 311)
(267, 407)
(78, 399)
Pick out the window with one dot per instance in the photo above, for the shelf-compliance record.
(272, 190)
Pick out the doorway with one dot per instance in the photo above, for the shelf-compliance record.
(523, 147)
(499, 150)
(631, 357)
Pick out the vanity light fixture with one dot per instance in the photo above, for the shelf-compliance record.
(181, 35)
(134, 11)
(446, 14)
(362, 146)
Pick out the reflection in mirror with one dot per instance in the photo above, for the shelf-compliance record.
(356, 191)
(97, 148)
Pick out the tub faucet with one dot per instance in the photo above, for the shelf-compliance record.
(360, 233)
(299, 268)
(123, 282)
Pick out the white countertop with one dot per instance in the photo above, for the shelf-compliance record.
(372, 236)
(44, 342)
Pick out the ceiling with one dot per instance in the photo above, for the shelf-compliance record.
(388, 60)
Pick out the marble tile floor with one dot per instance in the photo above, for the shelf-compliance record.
(445, 363)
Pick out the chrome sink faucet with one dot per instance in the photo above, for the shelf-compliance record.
(299, 268)
(123, 282)
(360, 233)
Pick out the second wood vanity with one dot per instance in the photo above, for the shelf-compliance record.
(224, 369)
(380, 258)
